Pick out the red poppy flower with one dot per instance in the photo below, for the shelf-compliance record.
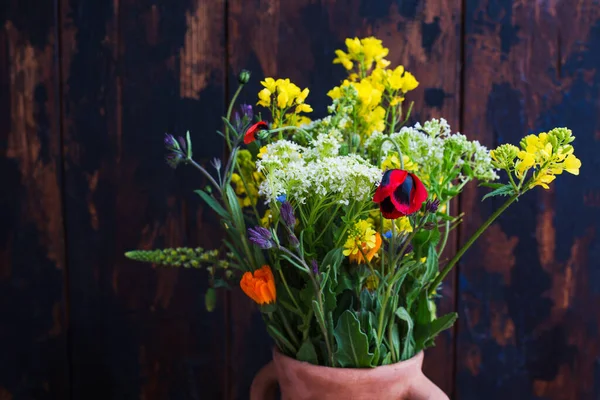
(400, 193)
(250, 135)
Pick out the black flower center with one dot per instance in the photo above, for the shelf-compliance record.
(402, 192)
(387, 206)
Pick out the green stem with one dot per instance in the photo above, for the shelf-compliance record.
(206, 174)
(229, 109)
(285, 284)
(469, 242)
(387, 139)
(446, 231)
(289, 330)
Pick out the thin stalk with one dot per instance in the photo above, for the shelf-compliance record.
(206, 174)
(289, 330)
(285, 284)
(229, 109)
(387, 139)
(469, 242)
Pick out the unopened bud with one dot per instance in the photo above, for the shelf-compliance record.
(244, 76)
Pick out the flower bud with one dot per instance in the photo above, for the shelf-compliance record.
(344, 149)
(287, 214)
(355, 141)
(432, 206)
(261, 237)
(210, 299)
(244, 76)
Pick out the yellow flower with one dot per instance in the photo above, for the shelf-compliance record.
(262, 152)
(393, 162)
(265, 221)
(303, 108)
(543, 179)
(402, 225)
(362, 238)
(409, 82)
(269, 84)
(344, 59)
(264, 98)
(572, 164)
(526, 161)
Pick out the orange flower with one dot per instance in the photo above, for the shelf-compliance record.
(260, 285)
(369, 253)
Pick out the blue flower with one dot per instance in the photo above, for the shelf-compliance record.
(388, 235)
(281, 198)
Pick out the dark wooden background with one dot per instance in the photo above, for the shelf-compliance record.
(87, 89)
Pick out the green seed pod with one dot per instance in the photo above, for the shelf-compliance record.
(210, 299)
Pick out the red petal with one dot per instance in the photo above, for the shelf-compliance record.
(250, 135)
(388, 210)
(418, 195)
(391, 180)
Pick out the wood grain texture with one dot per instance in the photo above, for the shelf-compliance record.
(529, 289)
(33, 347)
(134, 69)
(297, 40)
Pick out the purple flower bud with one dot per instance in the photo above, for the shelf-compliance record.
(287, 214)
(170, 142)
(261, 237)
(247, 111)
(408, 250)
(432, 206)
(315, 267)
(293, 240)
(182, 144)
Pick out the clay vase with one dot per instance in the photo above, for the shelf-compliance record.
(299, 380)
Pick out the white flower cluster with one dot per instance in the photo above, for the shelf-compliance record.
(303, 173)
(437, 151)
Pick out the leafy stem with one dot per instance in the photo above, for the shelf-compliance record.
(469, 242)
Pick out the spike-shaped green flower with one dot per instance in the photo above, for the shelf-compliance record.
(186, 257)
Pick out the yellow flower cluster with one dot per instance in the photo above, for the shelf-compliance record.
(393, 162)
(362, 239)
(362, 53)
(549, 154)
(376, 85)
(286, 101)
(247, 181)
(370, 115)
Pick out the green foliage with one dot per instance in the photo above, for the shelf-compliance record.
(352, 342)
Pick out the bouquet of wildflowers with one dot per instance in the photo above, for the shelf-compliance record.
(335, 226)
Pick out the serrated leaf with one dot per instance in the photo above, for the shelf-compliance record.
(409, 345)
(307, 353)
(505, 190)
(439, 325)
(213, 203)
(352, 342)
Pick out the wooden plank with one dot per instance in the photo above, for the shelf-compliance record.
(133, 70)
(297, 40)
(529, 291)
(33, 361)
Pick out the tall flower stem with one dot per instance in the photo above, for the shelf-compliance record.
(229, 109)
(470, 242)
(206, 174)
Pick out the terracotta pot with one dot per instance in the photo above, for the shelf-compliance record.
(303, 381)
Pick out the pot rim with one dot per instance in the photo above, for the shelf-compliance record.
(412, 363)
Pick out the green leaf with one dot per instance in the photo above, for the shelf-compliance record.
(234, 131)
(288, 347)
(189, 145)
(395, 339)
(236, 211)
(352, 343)
(505, 190)
(439, 325)
(307, 353)
(213, 203)
(268, 308)
(492, 185)
(409, 345)
(331, 262)
(431, 264)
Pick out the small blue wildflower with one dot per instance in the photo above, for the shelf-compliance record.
(281, 198)
(387, 235)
